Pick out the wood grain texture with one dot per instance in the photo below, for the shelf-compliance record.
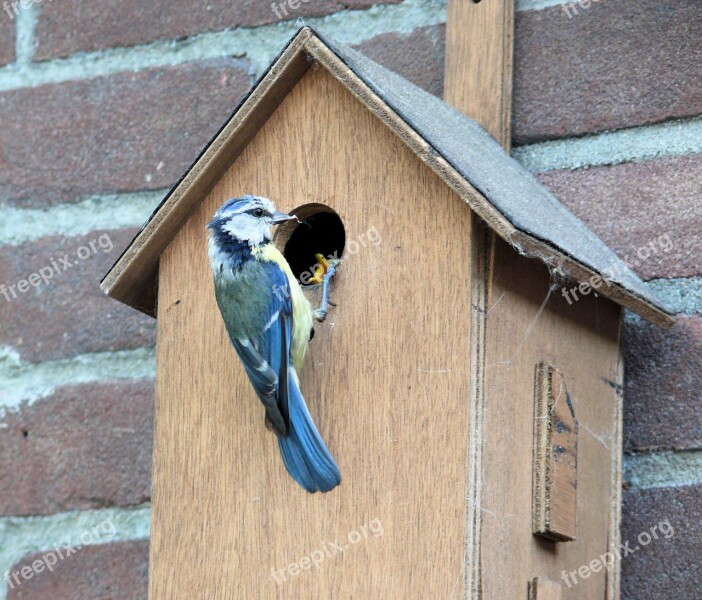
(386, 380)
(542, 588)
(478, 64)
(483, 240)
(615, 509)
(478, 82)
(555, 457)
(528, 321)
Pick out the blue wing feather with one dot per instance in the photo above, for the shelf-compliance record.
(264, 356)
(318, 472)
(266, 359)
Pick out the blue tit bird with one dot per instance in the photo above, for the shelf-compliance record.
(269, 321)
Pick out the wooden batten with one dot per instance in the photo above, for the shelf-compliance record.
(542, 588)
(478, 64)
(555, 457)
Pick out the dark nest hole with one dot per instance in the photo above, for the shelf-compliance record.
(318, 231)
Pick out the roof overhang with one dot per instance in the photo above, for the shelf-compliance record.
(502, 193)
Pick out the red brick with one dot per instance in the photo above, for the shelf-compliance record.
(632, 205)
(84, 447)
(618, 63)
(7, 39)
(71, 315)
(117, 571)
(664, 568)
(663, 381)
(73, 25)
(129, 131)
(417, 56)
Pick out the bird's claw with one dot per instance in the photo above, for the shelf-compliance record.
(321, 313)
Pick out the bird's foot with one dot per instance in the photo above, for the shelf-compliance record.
(321, 313)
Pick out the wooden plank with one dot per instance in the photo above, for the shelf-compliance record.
(529, 321)
(615, 511)
(555, 456)
(390, 402)
(478, 67)
(542, 588)
(478, 82)
(483, 239)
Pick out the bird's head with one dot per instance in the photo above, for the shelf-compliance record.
(247, 219)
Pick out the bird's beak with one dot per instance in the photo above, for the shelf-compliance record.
(281, 217)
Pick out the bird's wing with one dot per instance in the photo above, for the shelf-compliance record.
(265, 356)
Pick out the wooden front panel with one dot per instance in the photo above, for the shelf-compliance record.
(582, 341)
(386, 381)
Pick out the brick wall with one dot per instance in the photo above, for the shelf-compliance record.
(102, 109)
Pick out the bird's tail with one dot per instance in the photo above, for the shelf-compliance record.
(304, 453)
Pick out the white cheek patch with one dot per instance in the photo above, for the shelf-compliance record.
(247, 228)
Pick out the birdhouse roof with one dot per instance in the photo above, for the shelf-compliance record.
(495, 186)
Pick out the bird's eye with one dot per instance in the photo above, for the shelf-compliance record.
(258, 212)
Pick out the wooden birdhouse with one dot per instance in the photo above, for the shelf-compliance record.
(468, 379)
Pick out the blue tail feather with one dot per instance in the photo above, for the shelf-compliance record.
(304, 453)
